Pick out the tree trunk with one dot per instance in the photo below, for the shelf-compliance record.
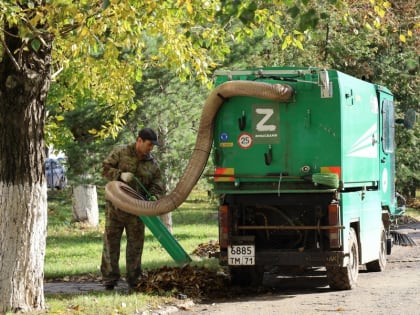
(85, 205)
(24, 82)
(167, 221)
(22, 242)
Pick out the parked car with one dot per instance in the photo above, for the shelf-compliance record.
(56, 174)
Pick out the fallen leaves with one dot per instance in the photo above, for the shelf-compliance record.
(187, 282)
(183, 282)
(207, 249)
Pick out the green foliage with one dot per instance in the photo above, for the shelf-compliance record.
(408, 164)
(340, 41)
(173, 109)
(102, 48)
(102, 51)
(76, 135)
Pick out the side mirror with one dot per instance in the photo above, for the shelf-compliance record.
(409, 119)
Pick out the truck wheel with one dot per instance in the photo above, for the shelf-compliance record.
(345, 278)
(379, 264)
(247, 276)
(388, 246)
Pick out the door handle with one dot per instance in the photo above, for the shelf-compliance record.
(268, 156)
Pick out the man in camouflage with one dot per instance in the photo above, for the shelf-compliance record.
(124, 163)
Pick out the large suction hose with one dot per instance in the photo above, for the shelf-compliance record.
(124, 197)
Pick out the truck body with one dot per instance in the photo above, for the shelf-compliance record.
(307, 182)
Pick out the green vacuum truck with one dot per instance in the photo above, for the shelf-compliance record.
(304, 169)
(305, 181)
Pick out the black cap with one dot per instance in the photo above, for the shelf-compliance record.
(149, 134)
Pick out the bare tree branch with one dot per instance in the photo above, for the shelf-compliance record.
(12, 58)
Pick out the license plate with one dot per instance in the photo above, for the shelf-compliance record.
(241, 255)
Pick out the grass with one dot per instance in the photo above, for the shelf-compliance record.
(104, 303)
(74, 250)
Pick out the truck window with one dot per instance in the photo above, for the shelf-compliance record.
(388, 126)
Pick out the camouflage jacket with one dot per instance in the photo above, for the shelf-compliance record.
(124, 159)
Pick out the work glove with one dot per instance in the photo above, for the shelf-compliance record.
(126, 177)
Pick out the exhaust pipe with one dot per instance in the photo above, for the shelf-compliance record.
(124, 197)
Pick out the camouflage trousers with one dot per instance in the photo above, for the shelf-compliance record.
(115, 223)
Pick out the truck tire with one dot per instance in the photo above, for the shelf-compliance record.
(345, 278)
(247, 276)
(380, 263)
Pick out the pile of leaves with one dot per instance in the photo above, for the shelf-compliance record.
(207, 249)
(184, 282)
(414, 203)
(187, 282)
